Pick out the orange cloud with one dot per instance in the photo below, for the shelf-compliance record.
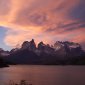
(43, 20)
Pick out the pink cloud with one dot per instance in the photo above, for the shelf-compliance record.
(43, 20)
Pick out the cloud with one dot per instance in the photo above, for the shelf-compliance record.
(6, 7)
(78, 12)
(48, 20)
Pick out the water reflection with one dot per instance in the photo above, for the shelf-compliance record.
(44, 75)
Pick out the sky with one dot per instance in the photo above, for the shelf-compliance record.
(43, 20)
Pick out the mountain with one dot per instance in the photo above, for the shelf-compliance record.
(57, 54)
(29, 45)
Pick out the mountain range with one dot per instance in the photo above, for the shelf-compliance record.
(61, 53)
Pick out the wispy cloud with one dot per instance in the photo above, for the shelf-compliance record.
(48, 20)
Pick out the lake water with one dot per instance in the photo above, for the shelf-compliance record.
(44, 75)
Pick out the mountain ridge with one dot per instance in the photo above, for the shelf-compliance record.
(45, 54)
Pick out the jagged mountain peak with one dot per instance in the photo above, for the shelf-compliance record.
(59, 47)
(44, 53)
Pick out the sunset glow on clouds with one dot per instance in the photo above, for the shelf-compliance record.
(47, 21)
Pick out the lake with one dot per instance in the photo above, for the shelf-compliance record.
(44, 75)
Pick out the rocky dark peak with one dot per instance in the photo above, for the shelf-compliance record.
(29, 45)
(32, 45)
(32, 41)
(41, 46)
(25, 45)
(41, 43)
